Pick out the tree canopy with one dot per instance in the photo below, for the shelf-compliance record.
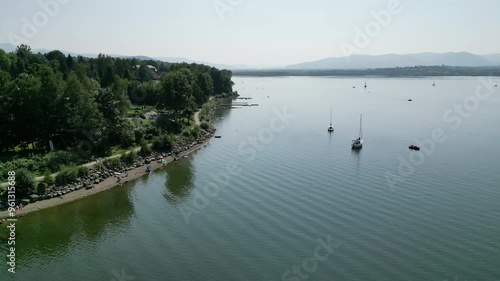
(74, 100)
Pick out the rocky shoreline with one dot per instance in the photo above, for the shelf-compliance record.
(105, 178)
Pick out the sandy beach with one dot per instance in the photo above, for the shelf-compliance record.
(102, 186)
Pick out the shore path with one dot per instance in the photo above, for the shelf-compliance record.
(102, 186)
(197, 118)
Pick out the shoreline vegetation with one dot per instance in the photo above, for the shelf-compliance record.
(78, 126)
(104, 179)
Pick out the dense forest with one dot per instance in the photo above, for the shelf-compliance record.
(86, 107)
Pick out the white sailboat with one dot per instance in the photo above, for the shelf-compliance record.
(358, 143)
(330, 128)
(434, 84)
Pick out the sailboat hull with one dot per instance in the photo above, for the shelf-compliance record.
(357, 144)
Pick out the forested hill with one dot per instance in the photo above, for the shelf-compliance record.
(78, 100)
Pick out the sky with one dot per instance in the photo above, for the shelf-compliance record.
(252, 32)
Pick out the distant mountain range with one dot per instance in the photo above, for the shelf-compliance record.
(352, 62)
(390, 61)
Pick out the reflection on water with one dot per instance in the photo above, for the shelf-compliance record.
(179, 181)
(116, 206)
(54, 231)
(356, 153)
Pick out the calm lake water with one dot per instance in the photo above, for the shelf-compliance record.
(293, 184)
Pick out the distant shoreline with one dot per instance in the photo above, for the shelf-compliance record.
(416, 71)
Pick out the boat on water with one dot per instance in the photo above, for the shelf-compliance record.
(358, 143)
(365, 85)
(434, 84)
(414, 147)
(330, 128)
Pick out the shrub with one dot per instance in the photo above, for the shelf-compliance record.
(41, 188)
(205, 126)
(128, 158)
(32, 164)
(138, 135)
(83, 171)
(196, 132)
(163, 143)
(67, 175)
(99, 166)
(54, 160)
(48, 179)
(145, 149)
(113, 163)
(25, 183)
(162, 122)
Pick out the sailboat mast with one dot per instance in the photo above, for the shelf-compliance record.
(361, 126)
(331, 110)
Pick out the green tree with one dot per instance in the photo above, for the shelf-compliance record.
(25, 184)
(22, 59)
(204, 88)
(25, 107)
(49, 97)
(70, 62)
(177, 91)
(144, 74)
(60, 58)
(83, 120)
(5, 61)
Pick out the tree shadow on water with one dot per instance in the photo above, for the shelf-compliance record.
(179, 182)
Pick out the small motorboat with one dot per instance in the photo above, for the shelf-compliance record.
(414, 147)
(410, 100)
(218, 137)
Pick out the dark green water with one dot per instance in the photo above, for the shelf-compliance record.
(298, 184)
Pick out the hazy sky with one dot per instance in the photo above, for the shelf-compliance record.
(255, 32)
